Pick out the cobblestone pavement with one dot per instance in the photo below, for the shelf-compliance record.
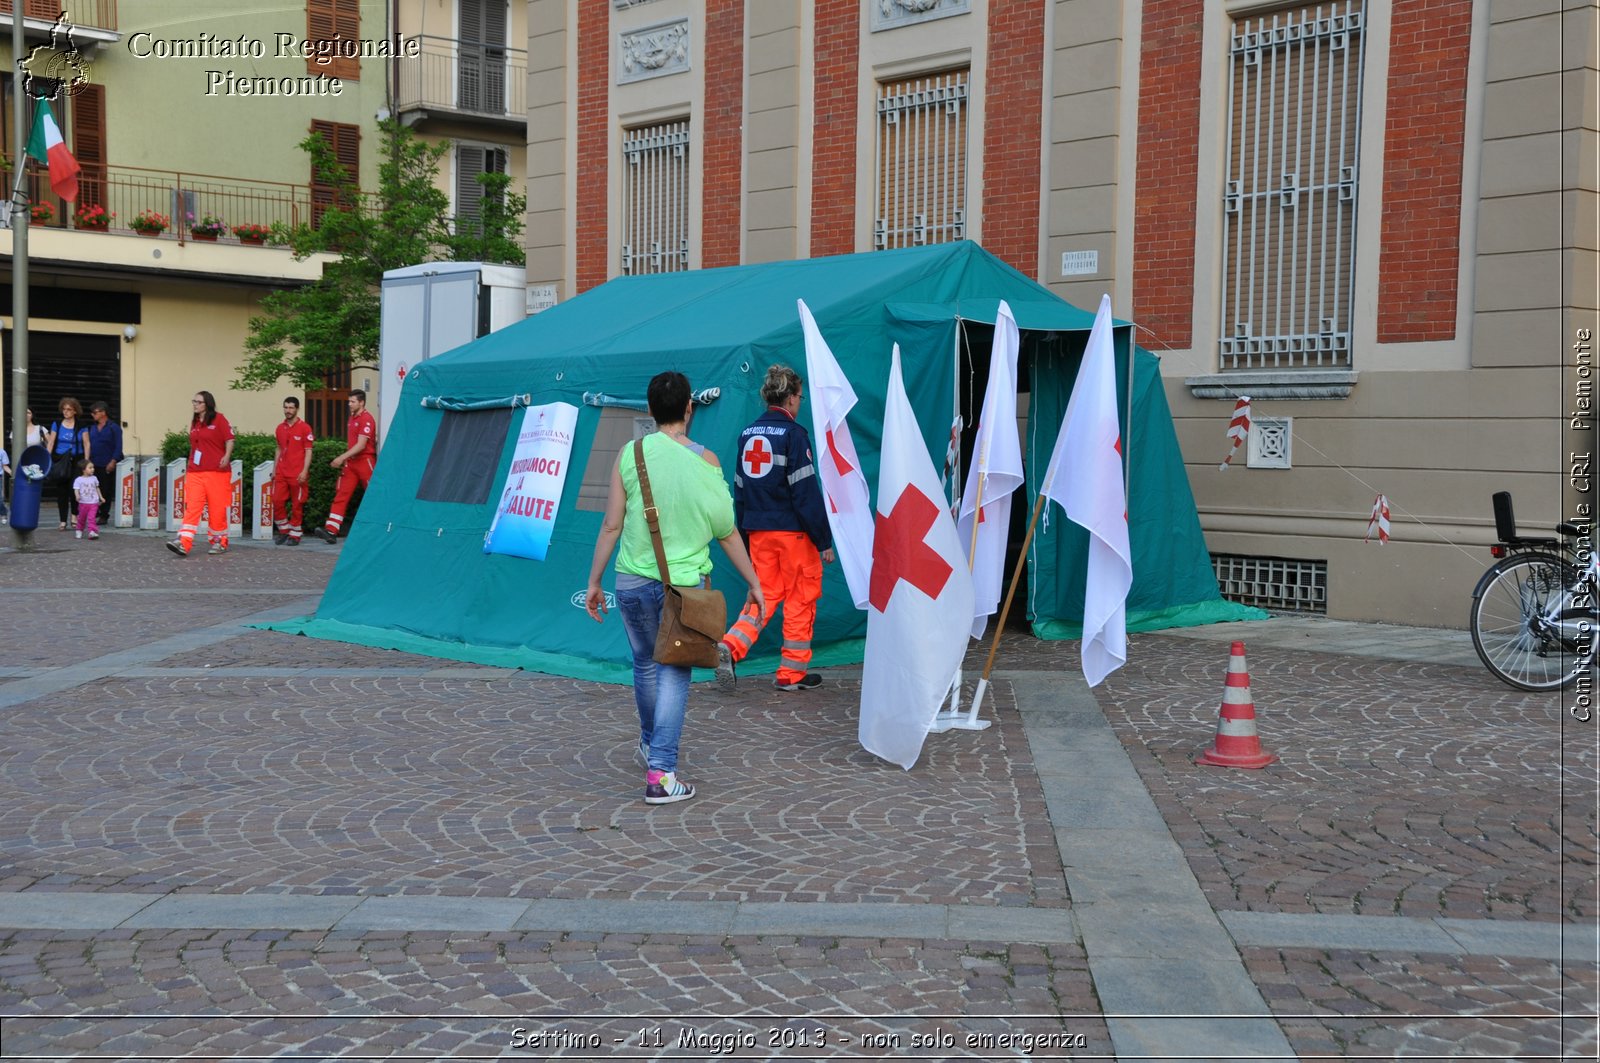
(1402, 789)
(303, 768)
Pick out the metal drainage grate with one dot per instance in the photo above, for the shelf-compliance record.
(1281, 583)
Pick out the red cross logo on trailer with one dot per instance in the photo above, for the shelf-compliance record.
(756, 457)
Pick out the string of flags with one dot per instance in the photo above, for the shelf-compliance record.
(1238, 428)
(1379, 521)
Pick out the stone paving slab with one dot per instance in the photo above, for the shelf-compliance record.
(1376, 933)
(431, 913)
(1319, 633)
(198, 911)
(70, 911)
(1490, 938)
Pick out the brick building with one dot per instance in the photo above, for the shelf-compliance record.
(1377, 218)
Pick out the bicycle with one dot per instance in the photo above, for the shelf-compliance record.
(1535, 613)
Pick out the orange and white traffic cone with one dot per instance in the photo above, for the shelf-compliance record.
(1237, 745)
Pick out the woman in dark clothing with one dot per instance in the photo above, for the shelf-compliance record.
(68, 440)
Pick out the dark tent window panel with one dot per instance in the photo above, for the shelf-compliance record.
(465, 457)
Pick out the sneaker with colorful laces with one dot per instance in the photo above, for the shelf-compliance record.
(177, 547)
(218, 548)
(809, 681)
(665, 788)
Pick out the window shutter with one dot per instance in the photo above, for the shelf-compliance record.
(345, 140)
(89, 142)
(469, 192)
(49, 10)
(330, 20)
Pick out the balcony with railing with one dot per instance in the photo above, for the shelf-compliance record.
(480, 84)
(88, 15)
(183, 198)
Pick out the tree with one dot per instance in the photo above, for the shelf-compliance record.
(331, 325)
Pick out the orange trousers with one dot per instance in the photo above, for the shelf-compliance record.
(211, 493)
(790, 570)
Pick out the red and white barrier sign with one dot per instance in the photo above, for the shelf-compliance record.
(150, 494)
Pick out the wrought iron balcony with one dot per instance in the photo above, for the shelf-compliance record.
(463, 81)
(182, 197)
(90, 14)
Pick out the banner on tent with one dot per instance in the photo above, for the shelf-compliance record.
(531, 493)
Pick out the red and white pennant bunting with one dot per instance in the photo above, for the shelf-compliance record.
(1238, 428)
(1379, 520)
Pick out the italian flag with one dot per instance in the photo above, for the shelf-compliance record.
(46, 145)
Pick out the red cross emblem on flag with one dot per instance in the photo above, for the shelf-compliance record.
(756, 457)
(900, 551)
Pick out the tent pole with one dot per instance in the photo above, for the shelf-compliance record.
(1005, 608)
(955, 483)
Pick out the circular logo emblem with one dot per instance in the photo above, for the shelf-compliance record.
(756, 458)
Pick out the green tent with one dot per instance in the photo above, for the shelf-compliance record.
(413, 575)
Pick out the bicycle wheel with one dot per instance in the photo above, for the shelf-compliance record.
(1507, 630)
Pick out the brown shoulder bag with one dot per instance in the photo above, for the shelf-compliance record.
(693, 619)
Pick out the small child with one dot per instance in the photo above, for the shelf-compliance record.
(87, 488)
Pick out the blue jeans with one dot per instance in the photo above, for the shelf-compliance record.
(661, 691)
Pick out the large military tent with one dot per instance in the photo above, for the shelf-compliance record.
(413, 574)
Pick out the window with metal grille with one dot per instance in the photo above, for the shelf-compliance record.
(1281, 583)
(922, 161)
(1289, 203)
(655, 198)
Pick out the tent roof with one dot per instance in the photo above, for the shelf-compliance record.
(689, 311)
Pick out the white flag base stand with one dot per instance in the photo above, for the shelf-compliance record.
(953, 719)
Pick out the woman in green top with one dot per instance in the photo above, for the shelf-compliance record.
(693, 507)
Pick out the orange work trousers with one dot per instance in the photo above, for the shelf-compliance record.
(211, 492)
(790, 570)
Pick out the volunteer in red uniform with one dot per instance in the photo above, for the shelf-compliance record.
(355, 464)
(207, 477)
(778, 504)
(291, 469)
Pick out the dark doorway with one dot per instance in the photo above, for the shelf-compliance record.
(61, 364)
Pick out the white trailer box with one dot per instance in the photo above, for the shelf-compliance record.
(436, 307)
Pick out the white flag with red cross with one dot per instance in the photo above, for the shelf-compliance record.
(1238, 429)
(995, 473)
(1085, 478)
(844, 486)
(921, 593)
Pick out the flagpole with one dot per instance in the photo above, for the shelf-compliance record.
(1127, 433)
(19, 270)
(1005, 608)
